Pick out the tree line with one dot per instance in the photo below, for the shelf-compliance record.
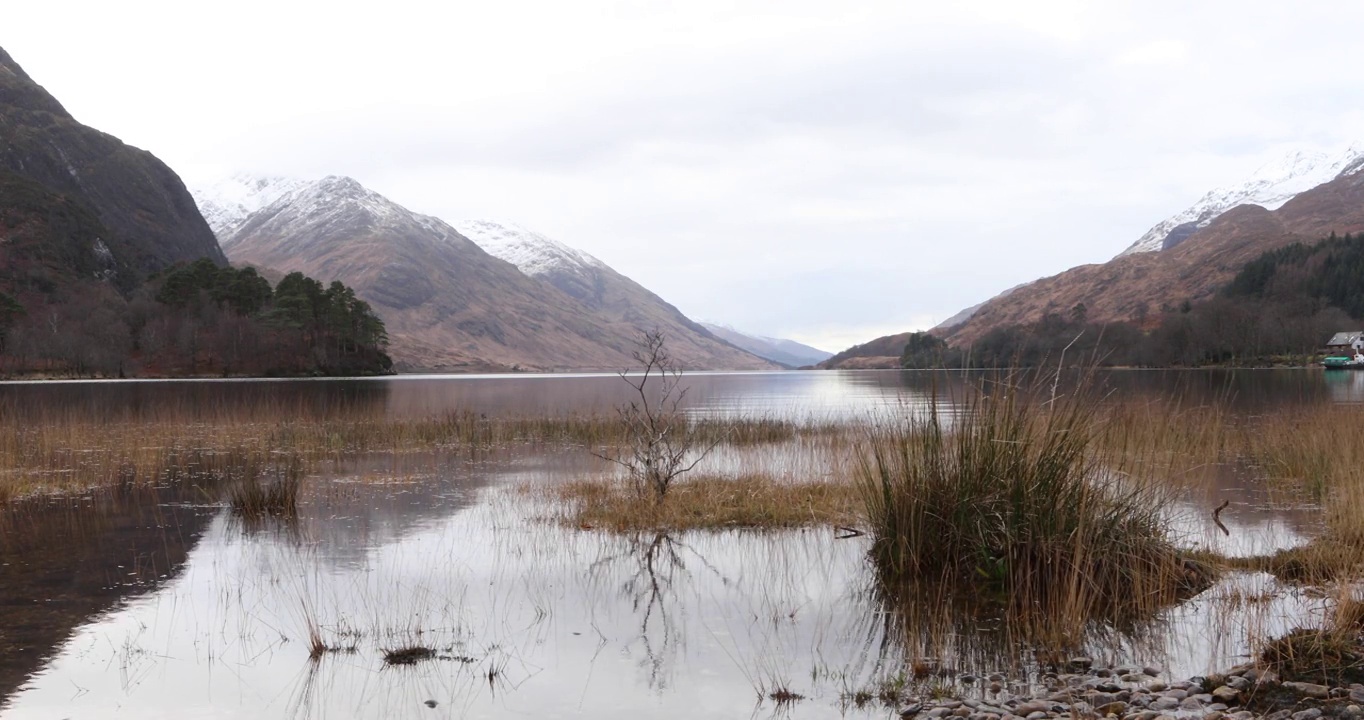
(1279, 309)
(194, 319)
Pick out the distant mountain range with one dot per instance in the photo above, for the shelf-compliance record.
(451, 303)
(1189, 256)
(786, 352)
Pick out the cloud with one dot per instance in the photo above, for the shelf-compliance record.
(795, 168)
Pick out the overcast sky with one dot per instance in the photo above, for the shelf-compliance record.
(824, 171)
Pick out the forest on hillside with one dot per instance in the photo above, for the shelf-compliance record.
(1279, 309)
(198, 319)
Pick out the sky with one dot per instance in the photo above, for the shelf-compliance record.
(828, 172)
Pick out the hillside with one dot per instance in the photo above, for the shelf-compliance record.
(787, 352)
(107, 268)
(149, 219)
(1138, 287)
(451, 306)
(881, 353)
(611, 296)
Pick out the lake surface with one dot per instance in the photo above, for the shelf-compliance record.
(158, 603)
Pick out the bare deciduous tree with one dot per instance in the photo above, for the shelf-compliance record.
(661, 444)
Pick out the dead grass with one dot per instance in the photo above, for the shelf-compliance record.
(1332, 654)
(1322, 561)
(53, 451)
(707, 502)
(408, 655)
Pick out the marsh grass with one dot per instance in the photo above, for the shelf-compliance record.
(266, 489)
(1331, 654)
(53, 451)
(707, 502)
(409, 655)
(1025, 494)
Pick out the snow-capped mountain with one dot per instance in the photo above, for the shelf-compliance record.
(228, 201)
(532, 253)
(447, 302)
(1272, 185)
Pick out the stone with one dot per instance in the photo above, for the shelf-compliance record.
(1164, 703)
(967, 678)
(1214, 715)
(1156, 686)
(430, 703)
(1081, 662)
(1356, 694)
(1028, 708)
(911, 710)
(1177, 693)
(1113, 708)
(1152, 671)
(1308, 714)
(1280, 715)
(1036, 715)
(962, 712)
(1312, 690)
(1099, 698)
(938, 712)
(1190, 704)
(1226, 694)
(995, 687)
(1239, 682)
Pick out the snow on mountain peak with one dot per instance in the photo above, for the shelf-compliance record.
(1270, 186)
(228, 201)
(532, 253)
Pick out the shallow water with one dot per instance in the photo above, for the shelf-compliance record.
(167, 606)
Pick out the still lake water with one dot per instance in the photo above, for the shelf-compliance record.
(162, 605)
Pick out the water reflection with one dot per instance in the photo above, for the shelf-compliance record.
(400, 550)
(798, 394)
(66, 560)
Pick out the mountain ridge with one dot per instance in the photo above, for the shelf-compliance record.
(448, 303)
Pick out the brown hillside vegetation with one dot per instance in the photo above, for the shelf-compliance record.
(447, 304)
(1136, 287)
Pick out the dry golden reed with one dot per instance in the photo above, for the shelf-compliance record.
(707, 502)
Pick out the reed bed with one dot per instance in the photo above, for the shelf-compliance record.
(54, 452)
(1330, 654)
(706, 502)
(1028, 495)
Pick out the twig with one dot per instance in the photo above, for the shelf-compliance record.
(1217, 517)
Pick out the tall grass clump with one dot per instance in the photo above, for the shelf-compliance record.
(261, 489)
(1018, 492)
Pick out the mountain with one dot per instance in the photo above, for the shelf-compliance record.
(1137, 287)
(1302, 198)
(966, 314)
(611, 295)
(226, 203)
(450, 305)
(787, 352)
(878, 354)
(148, 218)
(1270, 186)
